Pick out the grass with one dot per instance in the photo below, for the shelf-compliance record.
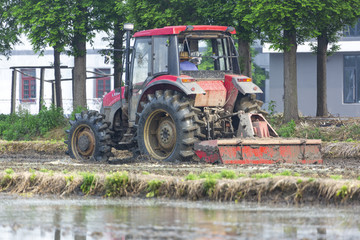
(88, 182)
(116, 183)
(153, 188)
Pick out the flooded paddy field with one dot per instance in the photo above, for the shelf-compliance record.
(133, 218)
(44, 196)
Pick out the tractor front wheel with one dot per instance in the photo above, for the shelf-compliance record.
(89, 137)
(166, 127)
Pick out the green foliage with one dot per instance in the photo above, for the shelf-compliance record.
(287, 130)
(192, 176)
(311, 179)
(286, 173)
(299, 181)
(116, 183)
(228, 174)
(25, 126)
(153, 188)
(262, 175)
(69, 179)
(342, 192)
(78, 109)
(209, 185)
(9, 171)
(145, 173)
(271, 107)
(336, 177)
(9, 29)
(88, 182)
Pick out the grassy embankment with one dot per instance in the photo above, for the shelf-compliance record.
(226, 185)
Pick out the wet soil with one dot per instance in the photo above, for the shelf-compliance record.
(348, 168)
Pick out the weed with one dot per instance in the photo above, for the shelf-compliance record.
(192, 176)
(33, 177)
(358, 178)
(241, 175)
(209, 185)
(342, 192)
(285, 173)
(210, 175)
(116, 183)
(145, 173)
(271, 107)
(336, 177)
(69, 179)
(5, 180)
(88, 182)
(153, 188)
(9, 171)
(299, 181)
(25, 126)
(65, 171)
(44, 170)
(287, 130)
(311, 179)
(228, 174)
(262, 175)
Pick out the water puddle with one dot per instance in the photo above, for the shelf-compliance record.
(80, 219)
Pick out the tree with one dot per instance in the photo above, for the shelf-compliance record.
(147, 14)
(284, 24)
(60, 24)
(46, 24)
(331, 17)
(9, 30)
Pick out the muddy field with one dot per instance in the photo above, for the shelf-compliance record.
(43, 168)
(339, 159)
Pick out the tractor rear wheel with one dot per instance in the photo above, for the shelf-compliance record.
(89, 137)
(166, 127)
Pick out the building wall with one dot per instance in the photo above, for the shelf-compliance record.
(306, 77)
(24, 56)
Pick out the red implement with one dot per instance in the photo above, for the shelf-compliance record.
(260, 151)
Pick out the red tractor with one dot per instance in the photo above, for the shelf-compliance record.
(183, 93)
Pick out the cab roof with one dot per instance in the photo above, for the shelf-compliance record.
(172, 30)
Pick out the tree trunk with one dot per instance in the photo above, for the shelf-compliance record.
(321, 108)
(79, 91)
(118, 44)
(58, 92)
(290, 79)
(245, 57)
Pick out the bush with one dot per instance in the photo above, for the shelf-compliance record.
(25, 126)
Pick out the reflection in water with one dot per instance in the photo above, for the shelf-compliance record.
(80, 219)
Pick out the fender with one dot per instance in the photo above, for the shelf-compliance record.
(244, 85)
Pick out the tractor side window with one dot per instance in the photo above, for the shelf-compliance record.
(142, 63)
(161, 48)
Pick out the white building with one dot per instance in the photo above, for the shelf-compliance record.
(28, 79)
(343, 77)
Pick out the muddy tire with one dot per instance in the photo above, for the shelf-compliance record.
(89, 137)
(249, 104)
(166, 129)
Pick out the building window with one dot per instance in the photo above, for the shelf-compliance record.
(352, 78)
(102, 82)
(352, 31)
(28, 85)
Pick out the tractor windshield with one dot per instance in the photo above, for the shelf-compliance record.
(207, 52)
